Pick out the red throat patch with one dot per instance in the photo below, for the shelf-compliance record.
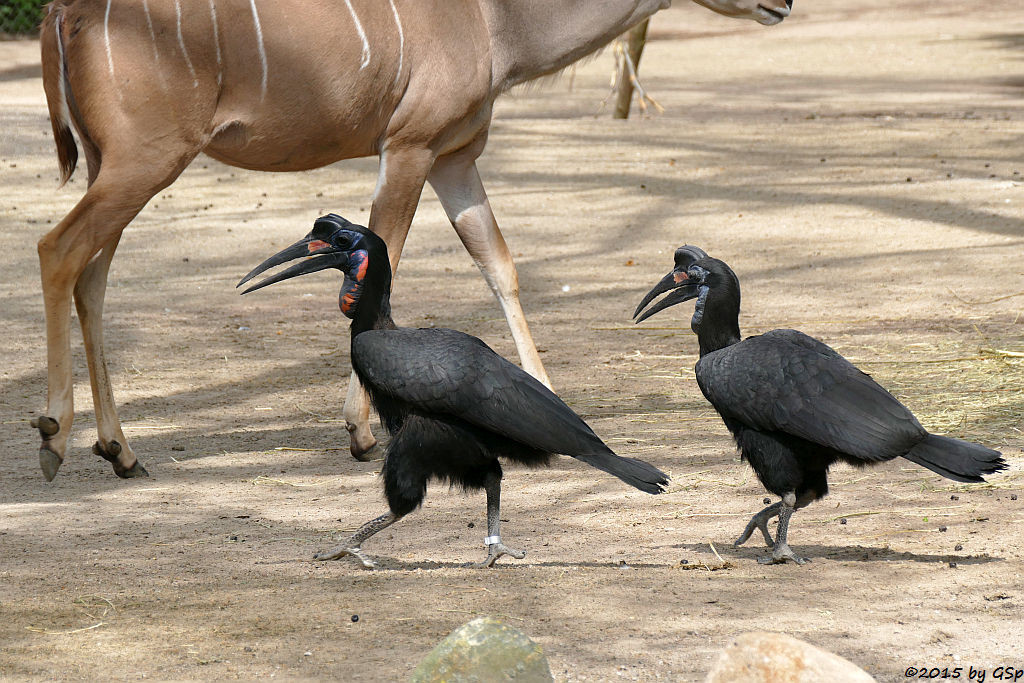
(354, 281)
(364, 263)
(348, 301)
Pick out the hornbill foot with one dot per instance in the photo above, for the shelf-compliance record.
(755, 523)
(782, 554)
(111, 454)
(496, 550)
(50, 462)
(362, 443)
(343, 550)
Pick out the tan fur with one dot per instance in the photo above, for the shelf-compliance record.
(287, 85)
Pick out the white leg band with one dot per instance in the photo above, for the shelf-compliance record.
(492, 540)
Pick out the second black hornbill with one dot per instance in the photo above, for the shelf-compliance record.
(453, 406)
(794, 405)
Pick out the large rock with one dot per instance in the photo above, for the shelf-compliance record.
(481, 651)
(777, 658)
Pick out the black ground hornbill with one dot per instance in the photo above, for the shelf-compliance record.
(794, 405)
(453, 406)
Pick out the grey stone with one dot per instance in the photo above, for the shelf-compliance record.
(777, 658)
(484, 650)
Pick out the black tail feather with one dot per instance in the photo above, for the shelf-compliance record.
(636, 473)
(955, 459)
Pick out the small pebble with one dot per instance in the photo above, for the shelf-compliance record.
(178, 448)
(355, 618)
(954, 497)
(958, 547)
(684, 562)
(470, 525)
(1013, 496)
(942, 528)
(842, 520)
(766, 501)
(952, 565)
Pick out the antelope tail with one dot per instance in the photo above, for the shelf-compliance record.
(58, 89)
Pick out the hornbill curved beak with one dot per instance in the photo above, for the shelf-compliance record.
(327, 256)
(680, 283)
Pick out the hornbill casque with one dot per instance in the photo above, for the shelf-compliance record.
(452, 406)
(794, 405)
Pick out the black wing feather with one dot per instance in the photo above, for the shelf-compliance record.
(787, 381)
(449, 372)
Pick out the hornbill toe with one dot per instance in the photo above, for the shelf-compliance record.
(782, 554)
(343, 550)
(495, 551)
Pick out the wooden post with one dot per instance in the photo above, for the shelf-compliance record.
(636, 38)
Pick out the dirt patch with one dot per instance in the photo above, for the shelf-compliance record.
(861, 171)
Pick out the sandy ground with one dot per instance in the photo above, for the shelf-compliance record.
(860, 168)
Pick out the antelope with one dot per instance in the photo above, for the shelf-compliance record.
(287, 86)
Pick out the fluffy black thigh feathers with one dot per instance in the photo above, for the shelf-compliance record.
(424, 447)
(784, 463)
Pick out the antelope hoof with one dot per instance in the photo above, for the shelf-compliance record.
(111, 453)
(136, 470)
(50, 462)
(362, 444)
(366, 455)
(47, 426)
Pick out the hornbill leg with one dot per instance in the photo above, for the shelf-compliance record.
(782, 552)
(760, 521)
(495, 548)
(351, 546)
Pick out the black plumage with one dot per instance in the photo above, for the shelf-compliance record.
(794, 405)
(453, 406)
